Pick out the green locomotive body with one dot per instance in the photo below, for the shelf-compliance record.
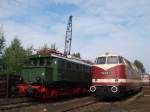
(54, 71)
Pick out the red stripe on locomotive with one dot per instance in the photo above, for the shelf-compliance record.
(117, 71)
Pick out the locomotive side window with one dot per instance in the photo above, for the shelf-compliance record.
(134, 67)
(34, 62)
(68, 65)
(41, 62)
(120, 59)
(112, 60)
(128, 63)
(74, 66)
(77, 67)
(48, 62)
(101, 60)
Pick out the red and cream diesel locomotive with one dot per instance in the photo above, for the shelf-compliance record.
(114, 76)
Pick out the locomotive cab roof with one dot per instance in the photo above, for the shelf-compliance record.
(108, 54)
(112, 58)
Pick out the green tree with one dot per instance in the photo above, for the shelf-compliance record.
(77, 55)
(2, 47)
(14, 57)
(139, 65)
(29, 51)
(2, 41)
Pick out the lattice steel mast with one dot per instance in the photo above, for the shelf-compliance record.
(68, 37)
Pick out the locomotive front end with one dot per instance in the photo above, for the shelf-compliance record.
(35, 77)
(108, 76)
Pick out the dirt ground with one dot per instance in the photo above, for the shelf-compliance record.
(137, 103)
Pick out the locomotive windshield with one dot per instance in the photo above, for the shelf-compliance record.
(101, 60)
(39, 62)
(112, 60)
(107, 60)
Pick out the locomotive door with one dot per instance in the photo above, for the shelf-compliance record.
(49, 75)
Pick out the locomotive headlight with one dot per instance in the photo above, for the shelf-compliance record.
(92, 88)
(114, 89)
(105, 73)
(43, 74)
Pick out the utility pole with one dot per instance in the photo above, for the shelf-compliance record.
(68, 37)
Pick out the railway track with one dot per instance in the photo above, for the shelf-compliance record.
(58, 106)
(17, 105)
(77, 105)
(98, 106)
(87, 104)
(26, 103)
(146, 90)
(12, 103)
(7, 101)
(83, 104)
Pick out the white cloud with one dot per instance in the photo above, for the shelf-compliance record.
(120, 26)
(32, 35)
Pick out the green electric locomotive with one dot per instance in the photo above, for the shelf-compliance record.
(54, 75)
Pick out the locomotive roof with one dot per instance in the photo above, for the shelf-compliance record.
(113, 54)
(108, 54)
(75, 60)
(72, 60)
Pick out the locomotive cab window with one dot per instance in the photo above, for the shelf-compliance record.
(101, 60)
(120, 59)
(68, 65)
(33, 62)
(48, 62)
(41, 62)
(112, 60)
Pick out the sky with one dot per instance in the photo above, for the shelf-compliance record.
(99, 26)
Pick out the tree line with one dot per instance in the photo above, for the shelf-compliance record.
(12, 57)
